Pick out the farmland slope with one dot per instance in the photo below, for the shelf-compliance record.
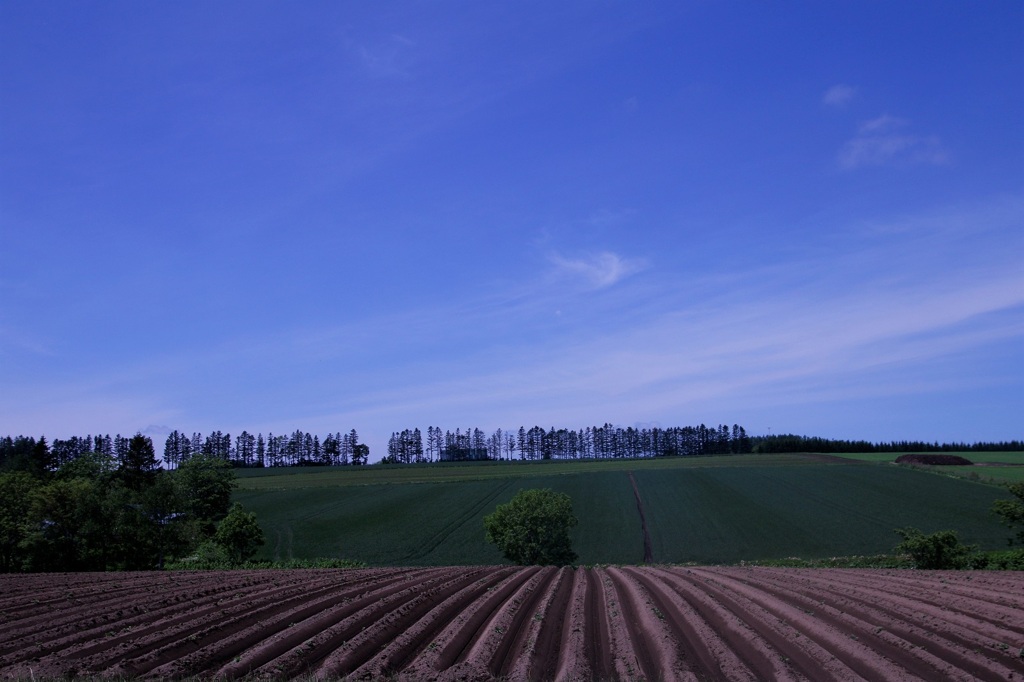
(715, 510)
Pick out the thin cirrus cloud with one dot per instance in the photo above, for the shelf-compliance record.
(838, 95)
(887, 140)
(598, 270)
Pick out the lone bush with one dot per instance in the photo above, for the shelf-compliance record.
(939, 550)
(533, 528)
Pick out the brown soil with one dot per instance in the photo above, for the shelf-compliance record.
(502, 622)
(934, 460)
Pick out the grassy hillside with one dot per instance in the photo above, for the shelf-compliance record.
(708, 510)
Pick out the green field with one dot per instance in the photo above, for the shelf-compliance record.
(705, 510)
(281, 478)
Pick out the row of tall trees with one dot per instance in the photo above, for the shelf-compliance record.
(25, 453)
(296, 449)
(247, 450)
(109, 507)
(592, 442)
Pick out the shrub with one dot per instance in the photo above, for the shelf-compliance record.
(533, 528)
(1006, 560)
(939, 550)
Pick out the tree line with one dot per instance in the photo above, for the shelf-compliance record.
(296, 449)
(782, 443)
(300, 448)
(536, 443)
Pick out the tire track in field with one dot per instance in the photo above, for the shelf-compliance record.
(648, 551)
(431, 543)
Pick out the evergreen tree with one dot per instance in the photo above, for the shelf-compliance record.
(172, 450)
(138, 467)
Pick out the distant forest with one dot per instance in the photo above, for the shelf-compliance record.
(412, 446)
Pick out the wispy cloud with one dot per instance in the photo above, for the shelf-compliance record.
(388, 57)
(881, 125)
(886, 140)
(599, 270)
(838, 95)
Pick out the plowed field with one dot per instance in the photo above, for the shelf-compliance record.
(518, 623)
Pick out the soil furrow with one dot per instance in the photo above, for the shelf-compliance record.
(468, 627)
(548, 652)
(402, 651)
(182, 618)
(831, 634)
(224, 627)
(65, 618)
(595, 623)
(888, 633)
(925, 592)
(499, 627)
(692, 644)
(347, 613)
(224, 612)
(799, 653)
(334, 661)
(512, 643)
(647, 655)
(948, 645)
(512, 623)
(725, 634)
(965, 625)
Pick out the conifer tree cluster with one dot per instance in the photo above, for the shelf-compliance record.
(592, 442)
(296, 449)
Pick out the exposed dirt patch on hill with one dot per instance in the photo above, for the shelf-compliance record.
(934, 460)
(830, 459)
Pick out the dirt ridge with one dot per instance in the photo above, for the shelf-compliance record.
(515, 623)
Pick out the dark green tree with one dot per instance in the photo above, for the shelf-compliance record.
(16, 493)
(1012, 511)
(204, 484)
(138, 464)
(239, 534)
(66, 526)
(939, 550)
(533, 528)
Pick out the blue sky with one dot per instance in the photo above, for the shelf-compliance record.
(800, 216)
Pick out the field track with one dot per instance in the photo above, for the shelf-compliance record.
(478, 623)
